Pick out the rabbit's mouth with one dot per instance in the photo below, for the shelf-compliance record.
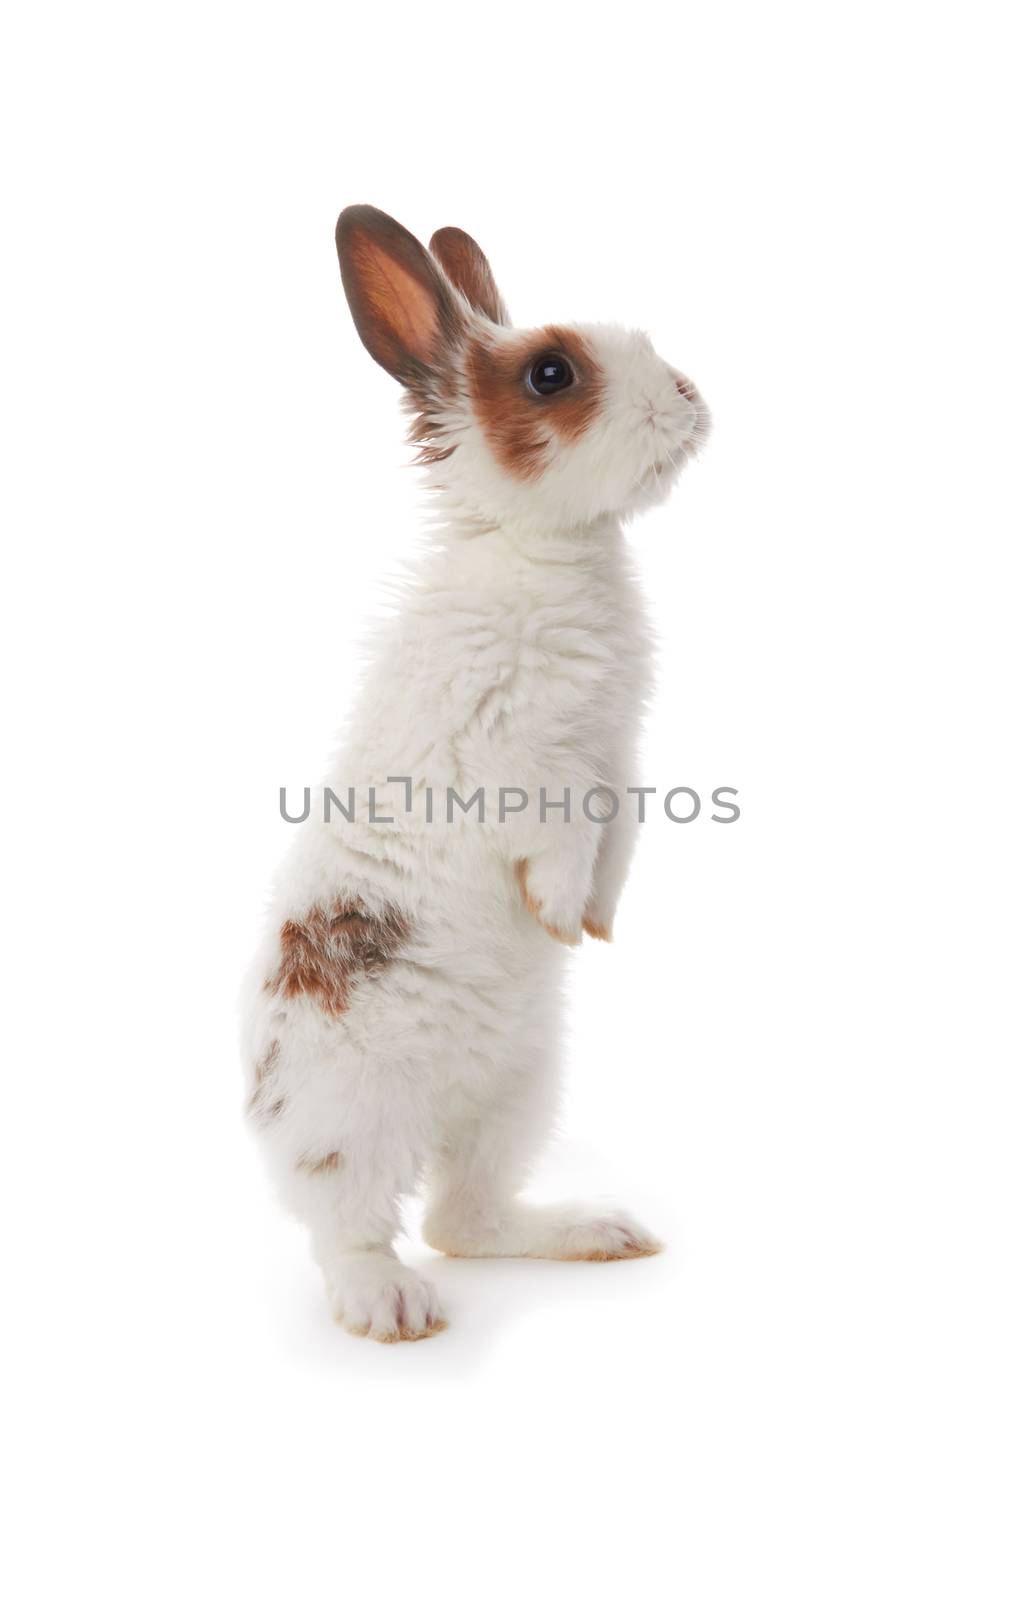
(677, 455)
(677, 437)
(674, 459)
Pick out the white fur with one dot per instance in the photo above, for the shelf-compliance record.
(519, 657)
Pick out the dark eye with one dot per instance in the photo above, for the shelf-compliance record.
(549, 374)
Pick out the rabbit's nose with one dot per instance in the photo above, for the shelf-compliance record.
(686, 388)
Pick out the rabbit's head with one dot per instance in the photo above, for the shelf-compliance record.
(552, 426)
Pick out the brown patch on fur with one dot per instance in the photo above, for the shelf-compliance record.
(265, 1065)
(264, 1071)
(466, 266)
(534, 907)
(319, 1169)
(256, 1107)
(596, 930)
(330, 947)
(518, 423)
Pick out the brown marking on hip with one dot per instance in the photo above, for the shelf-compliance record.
(267, 1062)
(321, 955)
(257, 1106)
(264, 1071)
(518, 424)
(319, 1169)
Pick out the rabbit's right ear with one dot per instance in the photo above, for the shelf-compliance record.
(466, 266)
(405, 311)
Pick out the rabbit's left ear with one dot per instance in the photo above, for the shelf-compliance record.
(406, 313)
(466, 266)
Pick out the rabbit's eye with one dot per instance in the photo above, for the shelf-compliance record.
(550, 373)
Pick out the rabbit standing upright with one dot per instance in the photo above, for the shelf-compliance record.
(402, 1018)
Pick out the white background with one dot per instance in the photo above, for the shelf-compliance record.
(793, 1059)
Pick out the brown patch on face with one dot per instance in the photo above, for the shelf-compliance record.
(319, 1169)
(466, 266)
(534, 907)
(519, 424)
(322, 955)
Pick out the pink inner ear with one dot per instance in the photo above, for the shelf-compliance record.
(396, 298)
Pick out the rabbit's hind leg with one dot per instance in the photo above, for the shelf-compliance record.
(343, 1164)
(474, 1206)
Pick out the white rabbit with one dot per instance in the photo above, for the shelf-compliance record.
(402, 1018)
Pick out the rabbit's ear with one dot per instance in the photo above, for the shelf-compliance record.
(466, 266)
(405, 311)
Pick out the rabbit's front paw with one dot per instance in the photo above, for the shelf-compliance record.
(597, 923)
(599, 913)
(551, 899)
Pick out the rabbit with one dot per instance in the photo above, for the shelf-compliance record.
(402, 1017)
